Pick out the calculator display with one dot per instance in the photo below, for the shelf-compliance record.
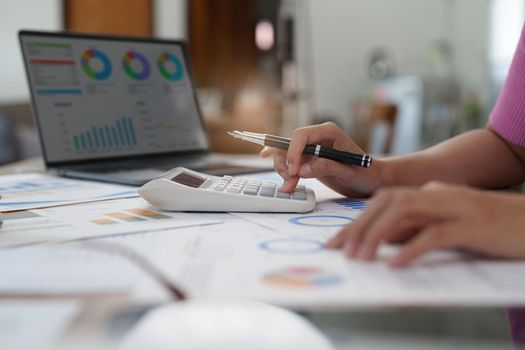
(188, 180)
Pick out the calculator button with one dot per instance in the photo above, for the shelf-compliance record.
(300, 188)
(233, 189)
(250, 191)
(299, 196)
(266, 194)
(268, 190)
(282, 195)
(219, 188)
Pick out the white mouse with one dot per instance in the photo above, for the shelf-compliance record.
(223, 324)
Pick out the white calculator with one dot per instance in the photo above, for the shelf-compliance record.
(183, 189)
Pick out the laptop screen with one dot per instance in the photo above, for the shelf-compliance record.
(99, 98)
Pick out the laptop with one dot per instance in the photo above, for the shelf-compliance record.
(118, 109)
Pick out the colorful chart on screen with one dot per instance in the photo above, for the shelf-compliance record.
(96, 64)
(109, 136)
(106, 97)
(302, 277)
(170, 67)
(136, 65)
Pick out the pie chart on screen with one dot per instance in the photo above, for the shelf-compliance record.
(136, 65)
(170, 67)
(96, 64)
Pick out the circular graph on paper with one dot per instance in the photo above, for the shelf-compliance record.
(292, 246)
(96, 64)
(136, 65)
(302, 277)
(170, 67)
(321, 220)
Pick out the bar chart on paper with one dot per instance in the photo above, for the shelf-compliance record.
(129, 215)
(102, 137)
(355, 204)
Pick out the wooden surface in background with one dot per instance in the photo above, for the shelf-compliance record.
(126, 17)
(222, 42)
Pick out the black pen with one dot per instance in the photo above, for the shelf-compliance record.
(363, 160)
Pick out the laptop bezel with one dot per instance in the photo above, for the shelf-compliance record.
(74, 35)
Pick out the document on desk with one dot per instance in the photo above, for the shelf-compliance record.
(90, 220)
(31, 191)
(244, 260)
(281, 259)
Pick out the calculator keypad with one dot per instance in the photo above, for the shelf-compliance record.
(257, 187)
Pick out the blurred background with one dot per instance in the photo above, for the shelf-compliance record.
(396, 75)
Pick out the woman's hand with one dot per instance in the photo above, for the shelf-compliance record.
(437, 216)
(350, 180)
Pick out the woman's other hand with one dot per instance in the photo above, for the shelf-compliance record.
(436, 216)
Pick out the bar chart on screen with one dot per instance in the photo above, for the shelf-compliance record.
(117, 135)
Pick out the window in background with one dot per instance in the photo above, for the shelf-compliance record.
(18, 138)
(22, 14)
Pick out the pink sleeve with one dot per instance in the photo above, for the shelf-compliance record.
(508, 116)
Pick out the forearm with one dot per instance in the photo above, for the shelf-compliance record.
(478, 158)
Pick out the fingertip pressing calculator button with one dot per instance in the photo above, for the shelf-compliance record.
(282, 195)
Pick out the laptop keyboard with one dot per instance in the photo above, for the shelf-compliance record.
(219, 168)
